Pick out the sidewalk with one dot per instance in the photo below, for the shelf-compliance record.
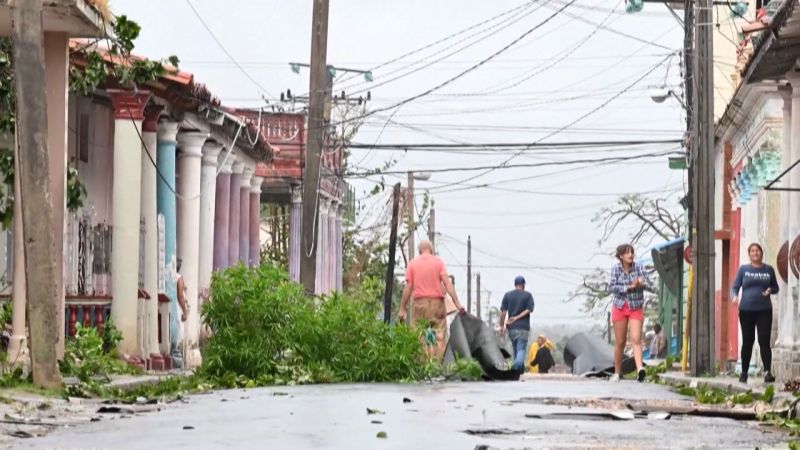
(128, 382)
(731, 384)
(25, 414)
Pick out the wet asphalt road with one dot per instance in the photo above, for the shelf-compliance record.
(438, 416)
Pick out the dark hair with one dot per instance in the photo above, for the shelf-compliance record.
(623, 249)
(757, 245)
(657, 327)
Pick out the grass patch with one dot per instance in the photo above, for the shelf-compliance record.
(713, 395)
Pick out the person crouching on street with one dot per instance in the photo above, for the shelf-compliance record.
(542, 360)
(427, 281)
(627, 285)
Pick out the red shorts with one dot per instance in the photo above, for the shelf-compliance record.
(625, 313)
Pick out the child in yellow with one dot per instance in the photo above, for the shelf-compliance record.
(540, 341)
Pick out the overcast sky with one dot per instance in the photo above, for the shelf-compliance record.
(530, 93)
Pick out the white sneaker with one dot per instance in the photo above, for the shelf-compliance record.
(614, 377)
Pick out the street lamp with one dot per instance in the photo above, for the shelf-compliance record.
(421, 176)
(662, 94)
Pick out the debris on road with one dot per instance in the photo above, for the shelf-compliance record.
(590, 356)
(471, 338)
(372, 411)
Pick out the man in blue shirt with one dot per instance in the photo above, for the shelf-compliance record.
(518, 305)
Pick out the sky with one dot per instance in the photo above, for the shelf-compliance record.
(564, 79)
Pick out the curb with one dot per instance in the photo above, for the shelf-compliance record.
(131, 382)
(678, 379)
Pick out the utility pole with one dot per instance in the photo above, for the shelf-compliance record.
(387, 293)
(478, 294)
(318, 91)
(702, 342)
(469, 274)
(432, 227)
(36, 199)
(410, 218)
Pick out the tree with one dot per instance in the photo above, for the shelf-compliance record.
(645, 219)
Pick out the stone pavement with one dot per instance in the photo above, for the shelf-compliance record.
(537, 413)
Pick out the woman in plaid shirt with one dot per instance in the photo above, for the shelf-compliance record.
(627, 285)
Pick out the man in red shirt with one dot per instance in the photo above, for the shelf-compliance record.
(426, 282)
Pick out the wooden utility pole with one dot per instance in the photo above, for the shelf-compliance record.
(432, 227)
(410, 218)
(387, 292)
(469, 274)
(478, 294)
(36, 198)
(318, 90)
(702, 342)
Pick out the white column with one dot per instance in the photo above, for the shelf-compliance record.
(255, 222)
(295, 237)
(785, 321)
(339, 249)
(330, 284)
(18, 344)
(126, 205)
(189, 163)
(244, 216)
(234, 214)
(322, 231)
(208, 190)
(794, 216)
(150, 215)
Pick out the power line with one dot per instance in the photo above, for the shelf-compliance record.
(224, 50)
(496, 167)
(574, 122)
(462, 73)
(500, 27)
(520, 225)
(525, 5)
(539, 70)
(525, 145)
(615, 31)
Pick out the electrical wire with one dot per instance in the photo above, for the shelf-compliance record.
(446, 38)
(227, 53)
(492, 32)
(564, 55)
(574, 122)
(614, 31)
(462, 73)
(497, 167)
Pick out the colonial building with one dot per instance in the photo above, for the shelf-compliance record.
(174, 184)
(758, 185)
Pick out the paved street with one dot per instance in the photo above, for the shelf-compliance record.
(447, 416)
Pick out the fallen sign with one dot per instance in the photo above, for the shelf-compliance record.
(470, 337)
(590, 356)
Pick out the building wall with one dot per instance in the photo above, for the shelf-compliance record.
(91, 149)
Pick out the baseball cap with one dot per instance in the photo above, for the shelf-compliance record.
(519, 280)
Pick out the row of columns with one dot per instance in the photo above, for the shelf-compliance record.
(206, 216)
(237, 216)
